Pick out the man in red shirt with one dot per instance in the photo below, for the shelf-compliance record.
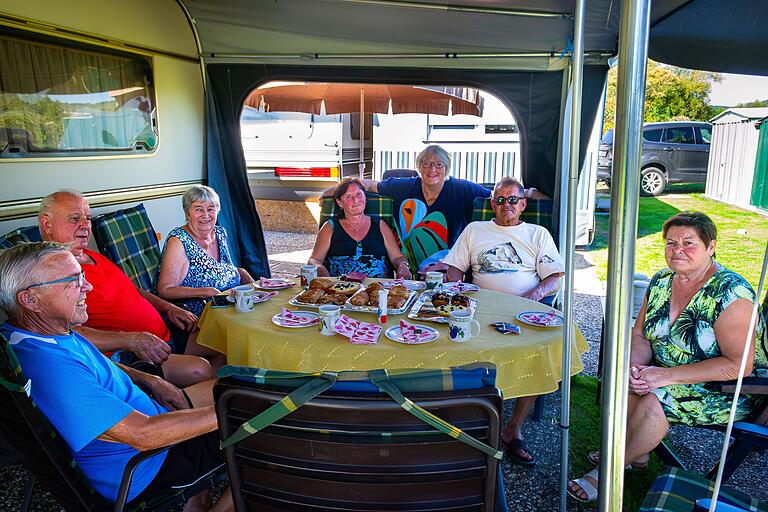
(122, 319)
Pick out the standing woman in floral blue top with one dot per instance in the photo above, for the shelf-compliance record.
(690, 332)
(196, 261)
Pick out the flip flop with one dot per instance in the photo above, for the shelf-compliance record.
(586, 486)
(594, 459)
(512, 447)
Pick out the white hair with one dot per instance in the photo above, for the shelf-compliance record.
(200, 193)
(20, 267)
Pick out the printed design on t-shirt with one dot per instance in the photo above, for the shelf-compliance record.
(499, 259)
(421, 234)
(546, 260)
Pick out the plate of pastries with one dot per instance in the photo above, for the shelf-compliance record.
(437, 306)
(399, 299)
(325, 290)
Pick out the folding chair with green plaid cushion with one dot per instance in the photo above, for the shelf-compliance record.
(303, 438)
(676, 490)
(45, 453)
(128, 239)
(376, 206)
(537, 211)
(25, 234)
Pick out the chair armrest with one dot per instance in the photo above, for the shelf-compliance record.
(750, 385)
(130, 468)
(702, 505)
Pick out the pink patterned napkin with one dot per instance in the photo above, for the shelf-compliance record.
(359, 333)
(412, 333)
(288, 318)
(390, 284)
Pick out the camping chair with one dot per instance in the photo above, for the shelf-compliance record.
(46, 455)
(351, 441)
(399, 173)
(677, 490)
(128, 239)
(25, 234)
(376, 206)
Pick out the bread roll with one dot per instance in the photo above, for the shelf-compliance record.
(311, 296)
(321, 283)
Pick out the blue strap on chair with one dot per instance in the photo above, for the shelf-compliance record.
(15, 237)
(128, 239)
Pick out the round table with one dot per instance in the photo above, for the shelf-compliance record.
(526, 364)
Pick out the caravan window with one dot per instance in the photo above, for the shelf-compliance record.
(62, 99)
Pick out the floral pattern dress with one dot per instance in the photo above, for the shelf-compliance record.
(205, 271)
(690, 339)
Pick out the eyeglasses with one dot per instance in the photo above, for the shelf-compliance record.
(435, 165)
(79, 278)
(511, 200)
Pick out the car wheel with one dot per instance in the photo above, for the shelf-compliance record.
(652, 181)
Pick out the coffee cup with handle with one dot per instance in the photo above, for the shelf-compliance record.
(462, 326)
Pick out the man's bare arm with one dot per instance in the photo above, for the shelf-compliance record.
(146, 346)
(370, 186)
(545, 288)
(144, 432)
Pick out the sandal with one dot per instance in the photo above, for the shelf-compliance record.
(594, 459)
(585, 486)
(515, 445)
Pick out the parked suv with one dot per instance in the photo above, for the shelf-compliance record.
(672, 152)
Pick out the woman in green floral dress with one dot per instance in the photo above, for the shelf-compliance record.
(690, 331)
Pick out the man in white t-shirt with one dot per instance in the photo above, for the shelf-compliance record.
(509, 255)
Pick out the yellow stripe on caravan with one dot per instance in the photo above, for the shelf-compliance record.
(288, 404)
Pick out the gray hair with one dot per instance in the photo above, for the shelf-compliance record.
(509, 181)
(46, 205)
(439, 152)
(19, 268)
(200, 193)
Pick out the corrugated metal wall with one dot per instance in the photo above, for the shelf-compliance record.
(732, 162)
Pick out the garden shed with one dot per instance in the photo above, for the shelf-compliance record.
(732, 173)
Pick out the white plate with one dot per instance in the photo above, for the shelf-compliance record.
(394, 334)
(534, 318)
(426, 297)
(280, 284)
(277, 319)
(459, 287)
(411, 285)
(257, 297)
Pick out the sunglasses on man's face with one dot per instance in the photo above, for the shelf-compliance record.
(511, 200)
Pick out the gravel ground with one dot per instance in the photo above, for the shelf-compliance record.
(528, 489)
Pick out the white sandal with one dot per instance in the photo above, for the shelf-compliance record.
(586, 486)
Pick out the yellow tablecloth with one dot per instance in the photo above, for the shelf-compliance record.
(526, 364)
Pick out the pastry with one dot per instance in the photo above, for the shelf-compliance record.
(333, 298)
(446, 309)
(460, 300)
(321, 283)
(395, 302)
(311, 296)
(440, 299)
(359, 299)
(373, 288)
(399, 291)
(343, 288)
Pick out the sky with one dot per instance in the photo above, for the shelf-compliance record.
(735, 89)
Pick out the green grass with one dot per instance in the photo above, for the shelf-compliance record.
(740, 253)
(585, 437)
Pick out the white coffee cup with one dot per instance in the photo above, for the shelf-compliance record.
(462, 326)
(329, 315)
(434, 280)
(244, 298)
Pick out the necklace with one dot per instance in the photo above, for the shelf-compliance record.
(358, 228)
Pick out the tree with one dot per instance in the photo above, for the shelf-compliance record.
(671, 94)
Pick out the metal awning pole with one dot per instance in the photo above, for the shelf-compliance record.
(630, 98)
(361, 132)
(577, 75)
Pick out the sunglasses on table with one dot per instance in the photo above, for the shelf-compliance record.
(79, 278)
(510, 199)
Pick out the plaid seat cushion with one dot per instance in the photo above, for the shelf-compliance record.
(128, 239)
(25, 234)
(377, 207)
(537, 211)
(676, 490)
